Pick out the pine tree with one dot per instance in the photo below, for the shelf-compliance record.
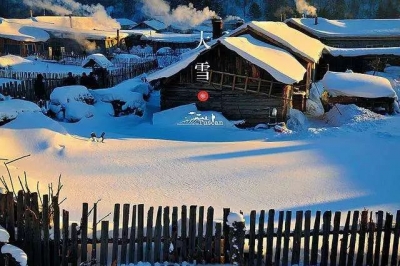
(255, 11)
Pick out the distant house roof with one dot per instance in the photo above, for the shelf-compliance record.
(98, 59)
(353, 52)
(19, 32)
(83, 23)
(281, 33)
(346, 28)
(272, 59)
(357, 85)
(172, 37)
(126, 22)
(151, 24)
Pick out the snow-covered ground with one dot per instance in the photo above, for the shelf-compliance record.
(324, 167)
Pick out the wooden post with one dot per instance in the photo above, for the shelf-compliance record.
(378, 238)
(361, 242)
(297, 238)
(270, 88)
(252, 237)
(94, 232)
(326, 228)
(386, 239)
(370, 246)
(335, 238)
(140, 232)
(37, 234)
(315, 237)
(149, 234)
(286, 239)
(279, 239)
(74, 240)
(132, 236)
(270, 238)
(234, 82)
(222, 80)
(183, 254)
(157, 236)
(114, 254)
(217, 243)
(260, 238)
(20, 216)
(307, 228)
(46, 236)
(200, 236)
(245, 84)
(84, 228)
(64, 257)
(124, 241)
(166, 234)
(354, 227)
(10, 216)
(175, 232)
(225, 229)
(396, 234)
(192, 233)
(343, 244)
(259, 85)
(56, 219)
(104, 243)
(209, 232)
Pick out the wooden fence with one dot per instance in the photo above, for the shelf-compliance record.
(191, 234)
(23, 87)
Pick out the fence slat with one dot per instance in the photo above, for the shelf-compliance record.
(395, 249)
(114, 254)
(166, 234)
(157, 236)
(353, 237)
(94, 232)
(370, 246)
(104, 243)
(140, 232)
(200, 236)
(361, 241)
(209, 233)
(64, 258)
(20, 215)
(307, 228)
(252, 236)
(74, 244)
(56, 221)
(84, 230)
(326, 227)
(270, 238)
(225, 228)
(386, 239)
(175, 233)
(10, 216)
(217, 241)
(335, 238)
(278, 239)
(315, 239)
(37, 233)
(46, 236)
(286, 239)
(149, 234)
(378, 238)
(132, 236)
(124, 240)
(297, 238)
(343, 244)
(183, 250)
(192, 232)
(260, 237)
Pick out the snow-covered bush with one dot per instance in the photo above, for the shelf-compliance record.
(297, 120)
(346, 114)
(2, 98)
(314, 105)
(10, 108)
(9, 250)
(71, 103)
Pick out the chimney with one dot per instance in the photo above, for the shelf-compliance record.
(316, 20)
(217, 27)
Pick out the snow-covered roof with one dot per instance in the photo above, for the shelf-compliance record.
(171, 37)
(353, 52)
(295, 40)
(83, 23)
(272, 59)
(357, 85)
(349, 27)
(126, 22)
(154, 24)
(20, 32)
(99, 59)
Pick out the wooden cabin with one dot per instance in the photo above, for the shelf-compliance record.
(246, 80)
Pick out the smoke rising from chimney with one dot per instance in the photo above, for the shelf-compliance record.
(305, 8)
(70, 7)
(182, 17)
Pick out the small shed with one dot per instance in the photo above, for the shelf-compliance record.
(363, 90)
(96, 60)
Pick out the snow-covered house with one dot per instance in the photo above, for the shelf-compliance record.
(152, 24)
(19, 39)
(372, 92)
(247, 76)
(126, 24)
(172, 40)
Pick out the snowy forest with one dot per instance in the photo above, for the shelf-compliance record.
(247, 9)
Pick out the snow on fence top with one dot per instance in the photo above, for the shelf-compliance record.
(99, 59)
(357, 85)
(353, 52)
(19, 32)
(349, 27)
(278, 62)
(295, 40)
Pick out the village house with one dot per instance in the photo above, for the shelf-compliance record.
(247, 74)
(357, 44)
(18, 39)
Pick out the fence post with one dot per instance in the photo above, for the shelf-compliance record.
(125, 221)
(166, 234)
(114, 255)
(183, 254)
(94, 232)
(104, 243)
(132, 237)
(84, 228)
(74, 244)
(209, 232)
(46, 236)
(149, 234)
(252, 237)
(65, 238)
(270, 238)
(157, 236)
(140, 232)
(236, 237)
(260, 238)
(286, 238)
(56, 219)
